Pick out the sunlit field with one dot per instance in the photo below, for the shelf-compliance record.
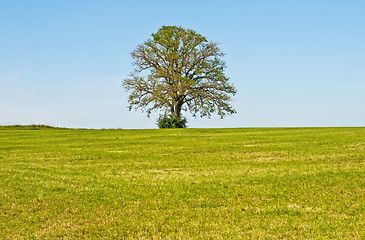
(243, 183)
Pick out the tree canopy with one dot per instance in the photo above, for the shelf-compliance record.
(178, 70)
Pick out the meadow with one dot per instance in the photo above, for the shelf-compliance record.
(244, 183)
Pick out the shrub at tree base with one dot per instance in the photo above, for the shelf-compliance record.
(170, 122)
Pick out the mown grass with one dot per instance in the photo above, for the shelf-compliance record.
(182, 183)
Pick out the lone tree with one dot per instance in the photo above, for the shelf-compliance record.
(178, 69)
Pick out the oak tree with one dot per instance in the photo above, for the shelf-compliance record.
(178, 70)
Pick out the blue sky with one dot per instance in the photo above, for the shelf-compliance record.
(294, 63)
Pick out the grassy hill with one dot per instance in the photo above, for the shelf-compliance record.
(182, 183)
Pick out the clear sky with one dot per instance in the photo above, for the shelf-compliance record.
(294, 63)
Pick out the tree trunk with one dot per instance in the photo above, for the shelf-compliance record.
(176, 109)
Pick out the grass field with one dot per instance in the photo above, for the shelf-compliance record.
(182, 184)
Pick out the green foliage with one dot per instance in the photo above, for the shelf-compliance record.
(171, 122)
(272, 183)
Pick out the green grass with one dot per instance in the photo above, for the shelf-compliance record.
(182, 183)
